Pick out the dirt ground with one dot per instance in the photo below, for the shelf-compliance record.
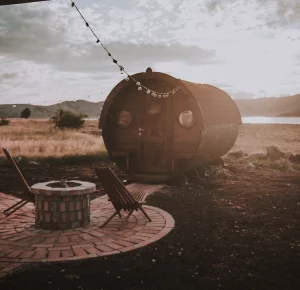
(238, 229)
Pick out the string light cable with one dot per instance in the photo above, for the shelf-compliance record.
(140, 86)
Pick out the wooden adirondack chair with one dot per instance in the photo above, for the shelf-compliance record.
(28, 196)
(119, 196)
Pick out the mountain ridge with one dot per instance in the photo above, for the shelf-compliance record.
(91, 109)
(269, 107)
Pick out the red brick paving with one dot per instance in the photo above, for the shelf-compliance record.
(21, 242)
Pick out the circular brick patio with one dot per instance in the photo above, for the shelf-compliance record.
(21, 242)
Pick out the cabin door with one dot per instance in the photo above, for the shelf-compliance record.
(154, 135)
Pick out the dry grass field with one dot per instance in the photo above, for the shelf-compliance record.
(256, 137)
(37, 138)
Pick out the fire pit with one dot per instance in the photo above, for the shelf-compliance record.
(62, 205)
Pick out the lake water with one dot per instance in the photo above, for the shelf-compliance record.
(271, 120)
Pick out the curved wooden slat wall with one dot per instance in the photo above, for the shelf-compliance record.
(181, 149)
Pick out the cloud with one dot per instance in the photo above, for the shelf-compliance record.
(7, 76)
(42, 36)
(219, 5)
(288, 12)
(29, 30)
(244, 47)
(243, 95)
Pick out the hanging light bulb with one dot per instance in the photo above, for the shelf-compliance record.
(138, 83)
(159, 96)
(127, 79)
(139, 88)
(148, 91)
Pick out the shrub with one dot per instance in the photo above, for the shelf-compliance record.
(26, 113)
(67, 119)
(4, 122)
(281, 164)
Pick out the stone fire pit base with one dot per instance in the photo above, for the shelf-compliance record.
(62, 208)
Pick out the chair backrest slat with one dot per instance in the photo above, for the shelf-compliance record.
(125, 193)
(115, 189)
(110, 187)
(119, 195)
(19, 173)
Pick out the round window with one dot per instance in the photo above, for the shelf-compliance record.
(125, 119)
(187, 119)
(154, 107)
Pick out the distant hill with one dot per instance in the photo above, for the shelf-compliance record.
(295, 113)
(40, 112)
(269, 107)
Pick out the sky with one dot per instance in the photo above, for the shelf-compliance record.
(248, 48)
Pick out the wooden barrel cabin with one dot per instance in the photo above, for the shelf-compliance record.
(155, 138)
